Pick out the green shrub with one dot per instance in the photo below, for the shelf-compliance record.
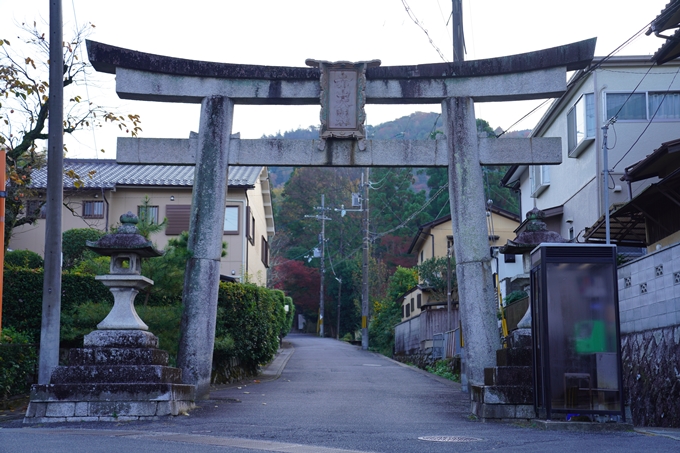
(446, 369)
(22, 297)
(18, 360)
(96, 265)
(514, 297)
(73, 245)
(23, 259)
(250, 315)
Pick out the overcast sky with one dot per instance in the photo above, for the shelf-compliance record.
(285, 33)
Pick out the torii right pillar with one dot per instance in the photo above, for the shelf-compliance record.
(471, 241)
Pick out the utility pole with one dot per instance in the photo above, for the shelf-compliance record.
(323, 263)
(458, 37)
(605, 182)
(364, 283)
(51, 302)
(337, 332)
(323, 218)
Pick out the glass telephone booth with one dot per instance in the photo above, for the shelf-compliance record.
(576, 338)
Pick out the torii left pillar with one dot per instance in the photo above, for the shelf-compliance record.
(202, 275)
(471, 249)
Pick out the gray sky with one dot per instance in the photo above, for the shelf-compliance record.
(285, 33)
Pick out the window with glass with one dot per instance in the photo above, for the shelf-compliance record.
(250, 225)
(265, 252)
(540, 179)
(627, 106)
(148, 214)
(581, 124)
(93, 209)
(664, 106)
(231, 220)
(36, 208)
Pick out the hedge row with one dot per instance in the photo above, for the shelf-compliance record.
(250, 320)
(22, 297)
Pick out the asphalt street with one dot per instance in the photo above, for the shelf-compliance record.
(325, 396)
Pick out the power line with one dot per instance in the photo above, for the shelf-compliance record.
(650, 120)
(412, 216)
(587, 71)
(417, 22)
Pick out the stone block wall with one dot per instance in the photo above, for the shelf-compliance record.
(651, 376)
(649, 308)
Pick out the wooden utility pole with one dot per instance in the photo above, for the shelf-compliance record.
(364, 283)
(51, 302)
(323, 264)
(458, 37)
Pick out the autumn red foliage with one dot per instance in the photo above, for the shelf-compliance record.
(299, 282)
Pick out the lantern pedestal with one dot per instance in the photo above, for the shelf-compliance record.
(119, 374)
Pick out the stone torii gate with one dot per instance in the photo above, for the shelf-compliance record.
(456, 86)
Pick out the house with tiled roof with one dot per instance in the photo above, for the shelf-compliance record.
(424, 311)
(98, 191)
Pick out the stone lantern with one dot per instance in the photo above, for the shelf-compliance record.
(119, 374)
(126, 248)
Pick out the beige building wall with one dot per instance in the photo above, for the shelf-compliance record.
(243, 263)
(497, 224)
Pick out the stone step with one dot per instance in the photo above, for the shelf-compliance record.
(509, 375)
(502, 394)
(93, 374)
(117, 356)
(107, 402)
(514, 357)
(112, 392)
(503, 411)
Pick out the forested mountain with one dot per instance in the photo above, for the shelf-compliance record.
(400, 199)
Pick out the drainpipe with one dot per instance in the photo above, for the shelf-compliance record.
(246, 225)
(106, 214)
(599, 101)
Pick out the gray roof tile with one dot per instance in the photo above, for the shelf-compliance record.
(109, 174)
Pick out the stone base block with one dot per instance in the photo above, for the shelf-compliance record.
(112, 392)
(120, 339)
(521, 338)
(117, 356)
(93, 374)
(508, 375)
(54, 403)
(553, 425)
(502, 394)
(502, 411)
(514, 357)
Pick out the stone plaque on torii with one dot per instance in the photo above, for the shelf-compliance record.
(455, 86)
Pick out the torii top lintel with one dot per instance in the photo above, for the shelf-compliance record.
(532, 75)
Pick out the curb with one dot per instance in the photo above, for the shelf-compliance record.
(273, 369)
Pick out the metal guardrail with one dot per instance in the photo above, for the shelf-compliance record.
(452, 343)
(438, 346)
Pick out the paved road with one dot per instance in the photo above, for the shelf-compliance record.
(330, 398)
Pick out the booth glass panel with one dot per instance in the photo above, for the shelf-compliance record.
(582, 333)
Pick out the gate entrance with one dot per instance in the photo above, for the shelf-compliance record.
(455, 86)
